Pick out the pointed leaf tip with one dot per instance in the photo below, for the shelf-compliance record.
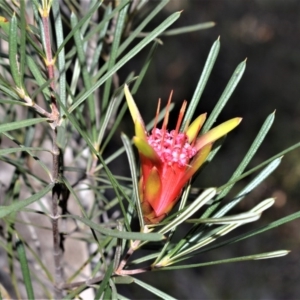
(217, 132)
(135, 114)
(195, 127)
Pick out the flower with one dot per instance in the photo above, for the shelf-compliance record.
(169, 158)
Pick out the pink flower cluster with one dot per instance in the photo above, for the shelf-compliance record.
(171, 147)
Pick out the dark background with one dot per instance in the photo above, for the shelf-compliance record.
(267, 33)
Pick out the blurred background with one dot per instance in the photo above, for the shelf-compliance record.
(267, 33)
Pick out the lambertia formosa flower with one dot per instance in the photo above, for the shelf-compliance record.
(169, 158)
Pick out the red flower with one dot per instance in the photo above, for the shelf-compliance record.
(169, 159)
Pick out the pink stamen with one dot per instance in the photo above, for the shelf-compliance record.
(156, 117)
(173, 147)
(166, 118)
(179, 120)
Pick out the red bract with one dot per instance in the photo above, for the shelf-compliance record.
(169, 158)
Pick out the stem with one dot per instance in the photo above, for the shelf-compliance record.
(49, 61)
(67, 286)
(57, 191)
(130, 251)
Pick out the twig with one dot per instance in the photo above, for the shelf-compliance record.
(67, 286)
(57, 191)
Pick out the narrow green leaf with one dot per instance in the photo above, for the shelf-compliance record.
(13, 102)
(264, 205)
(210, 61)
(20, 124)
(13, 51)
(152, 289)
(115, 126)
(114, 294)
(133, 172)
(23, 26)
(113, 53)
(36, 72)
(102, 34)
(253, 184)
(239, 218)
(262, 229)
(112, 107)
(266, 162)
(17, 206)
(142, 25)
(206, 196)
(78, 26)
(120, 297)
(61, 55)
(211, 236)
(14, 150)
(21, 148)
(41, 88)
(114, 184)
(8, 91)
(105, 281)
(191, 28)
(144, 69)
(25, 269)
(119, 234)
(123, 280)
(169, 21)
(81, 55)
(266, 255)
(233, 82)
(249, 155)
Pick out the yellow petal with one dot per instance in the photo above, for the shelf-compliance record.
(195, 127)
(140, 130)
(196, 163)
(152, 186)
(217, 132)
(145, 149)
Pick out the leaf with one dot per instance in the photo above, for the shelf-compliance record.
(266, 255)
(81, 56)
(20, 124)
(191, 28)
(239, 218)
(233, 82)
(119, 234)
(105, 281)
(242, 166)
(17, 206)
(253, 184)
(13, 51)
(25, 269)
(113, 53)
(142, 25)
(14, 150)
(133, 172)
(210, 61)
(123, 280)
(23, 26)
(168, 22)
(152, 289)
(61, 60)
(206, 196)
